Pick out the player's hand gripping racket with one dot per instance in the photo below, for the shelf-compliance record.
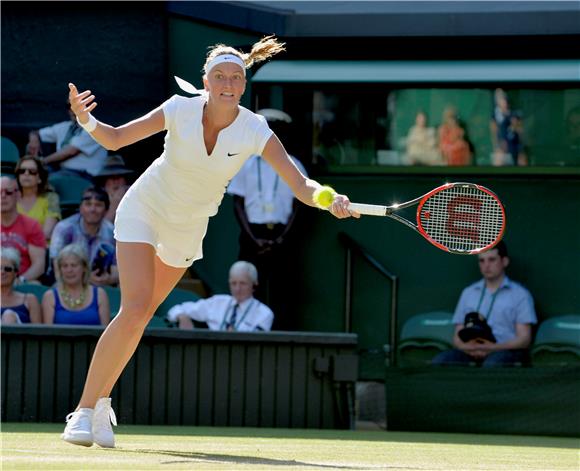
(461, 218)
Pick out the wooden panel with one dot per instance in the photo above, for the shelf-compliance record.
(222, 385)
(177, 377)
(268, 387)
(31, 381)
(63, 403)
(283, 386)
(143, 384)
(236, 390)
(298, 380)
(125, 391)
(327, 401)
(80, 367)
(159, 379)
(191, 375)
(47, 380)
(252, 397)
(313, 391)
(15, 381)
(174, 383)
(206, 384)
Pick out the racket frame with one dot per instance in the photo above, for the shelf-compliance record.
(390, 211)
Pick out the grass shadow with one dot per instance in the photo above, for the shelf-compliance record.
(194, 457)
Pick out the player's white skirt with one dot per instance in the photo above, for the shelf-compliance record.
(176, 244)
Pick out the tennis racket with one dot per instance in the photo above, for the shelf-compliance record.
(460, 218)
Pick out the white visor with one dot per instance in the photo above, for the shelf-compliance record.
(225, 58)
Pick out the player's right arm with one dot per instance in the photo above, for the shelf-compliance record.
(113, 138)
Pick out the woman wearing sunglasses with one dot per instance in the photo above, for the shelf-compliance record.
(17, 308)
(36, 199)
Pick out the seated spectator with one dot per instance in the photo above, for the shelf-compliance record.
(239, 311)
(422, 143)
(77, 153)
(22, 233)
(493, 319)
(74, 300)
(113, 179)
(452, 142)
(36, 199)
(17, 308)
(94, 233)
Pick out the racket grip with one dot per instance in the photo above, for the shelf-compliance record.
(368, 209)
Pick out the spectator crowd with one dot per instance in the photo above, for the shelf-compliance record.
(67, 249)
(58, 257)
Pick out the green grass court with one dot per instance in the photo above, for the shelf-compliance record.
(38, 446)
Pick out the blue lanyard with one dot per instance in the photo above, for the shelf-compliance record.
(276, 180)
(493, 296)
(229, 308)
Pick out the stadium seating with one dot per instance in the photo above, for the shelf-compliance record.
(37, 290)
(70, 191)
(10, 155)
(114, 294)
(423, 336)
(557, 342)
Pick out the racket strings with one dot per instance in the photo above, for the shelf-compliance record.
(462, 218)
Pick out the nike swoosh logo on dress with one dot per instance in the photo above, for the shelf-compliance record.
(231, 155)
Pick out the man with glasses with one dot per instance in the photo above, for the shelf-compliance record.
(22, 233)
(77, 153)
(90, 229)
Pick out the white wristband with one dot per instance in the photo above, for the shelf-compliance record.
(90, 125)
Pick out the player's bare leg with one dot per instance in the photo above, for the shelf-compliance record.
(145, 282)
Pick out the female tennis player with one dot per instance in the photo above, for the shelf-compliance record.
(163, 217)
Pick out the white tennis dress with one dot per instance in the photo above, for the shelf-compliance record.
(170, 204)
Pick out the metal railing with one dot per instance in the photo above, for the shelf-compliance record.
(353, 246)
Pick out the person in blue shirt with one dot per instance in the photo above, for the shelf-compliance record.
(493, 319)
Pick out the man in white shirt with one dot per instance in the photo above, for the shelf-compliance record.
(239, 311)
(266, 210)
(77, 153)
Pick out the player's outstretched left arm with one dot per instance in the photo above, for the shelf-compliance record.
(303, 188)
(113, 138)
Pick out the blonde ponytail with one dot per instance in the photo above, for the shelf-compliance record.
(264, 49)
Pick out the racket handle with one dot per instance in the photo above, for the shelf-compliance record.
(368, 209)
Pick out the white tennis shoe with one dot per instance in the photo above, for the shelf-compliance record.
(78, 430)
(103, 417)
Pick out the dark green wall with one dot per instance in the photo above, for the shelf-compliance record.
(116, 49)
(542, 235)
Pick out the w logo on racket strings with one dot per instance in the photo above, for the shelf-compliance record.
(463, 223)
(462, 218)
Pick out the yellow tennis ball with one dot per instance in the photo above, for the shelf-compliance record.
(324, 196)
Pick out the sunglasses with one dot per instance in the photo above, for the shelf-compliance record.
(8, 269)
(30, 171)
(8, 192)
